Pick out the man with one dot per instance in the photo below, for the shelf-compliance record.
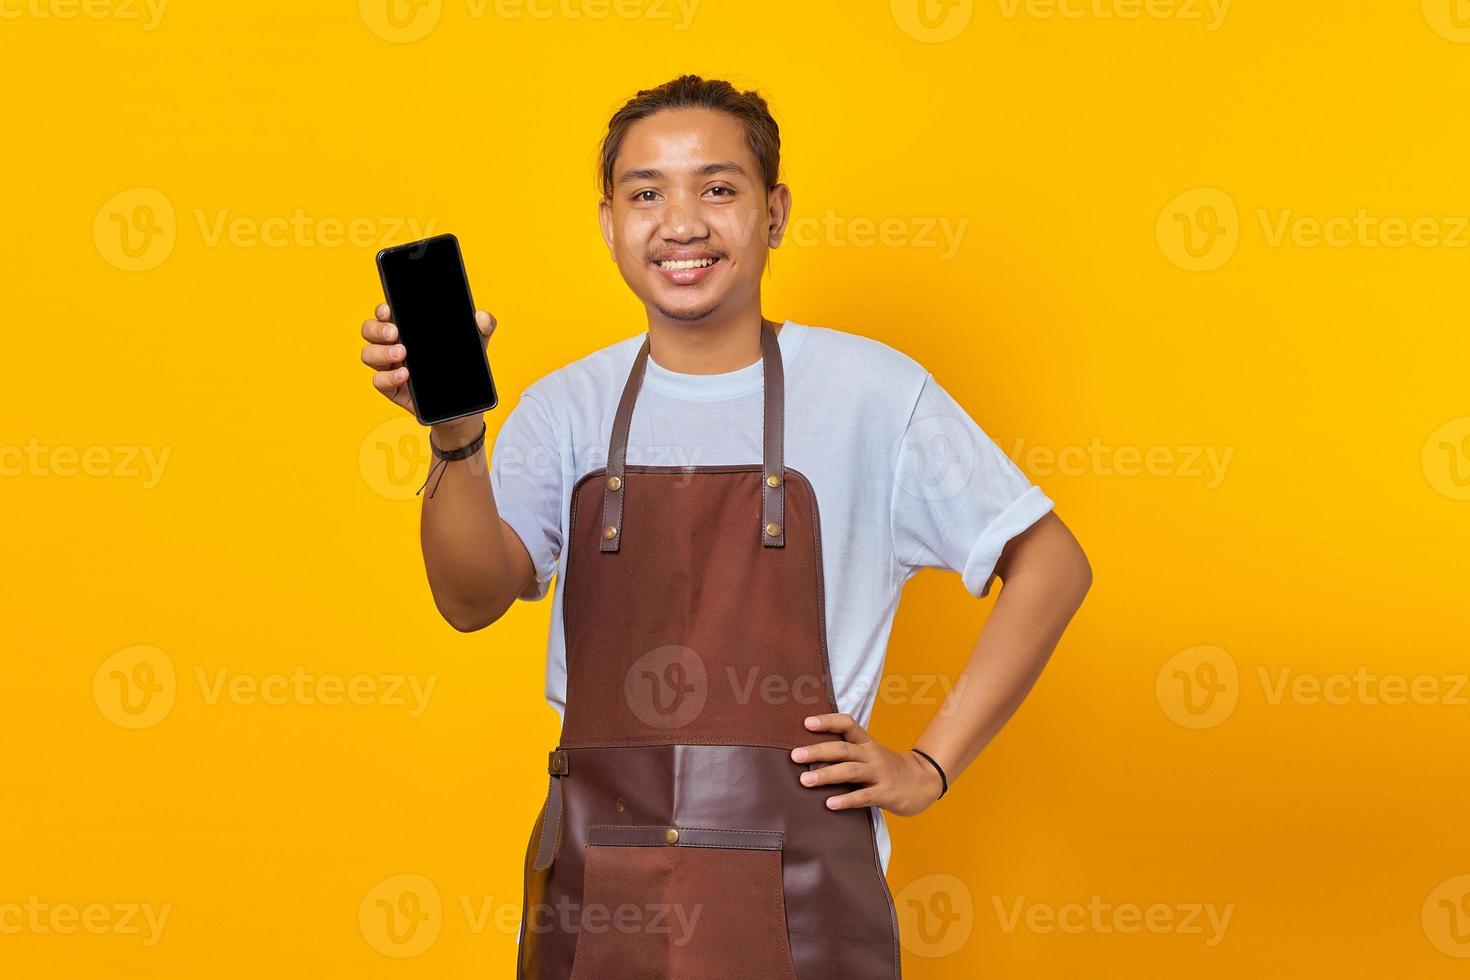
(720, 617)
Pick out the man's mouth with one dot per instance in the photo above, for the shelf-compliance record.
(672, 264)
(688, 269)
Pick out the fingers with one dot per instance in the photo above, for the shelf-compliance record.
(866, 796)
(379, 331)
(389, 381)
(842, 724)
(383, 356)
(825, 752)
(486, 323)
(841, 772)
(384, 353)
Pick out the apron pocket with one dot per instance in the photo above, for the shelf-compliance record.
(662, 902)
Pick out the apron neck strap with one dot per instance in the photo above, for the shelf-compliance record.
(773, 475)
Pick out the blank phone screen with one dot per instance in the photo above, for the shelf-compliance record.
(430, 302)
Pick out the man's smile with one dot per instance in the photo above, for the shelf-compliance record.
(686, 266)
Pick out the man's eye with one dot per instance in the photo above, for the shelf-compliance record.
(724, 191)
(652, 195)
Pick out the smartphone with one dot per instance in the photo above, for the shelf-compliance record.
(428, 294)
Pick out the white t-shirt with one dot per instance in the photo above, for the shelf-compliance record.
(904, 478)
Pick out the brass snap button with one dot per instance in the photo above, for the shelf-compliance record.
(671, 836)
(610, 532)
(614, 482)
(773, 530)
(774, 480)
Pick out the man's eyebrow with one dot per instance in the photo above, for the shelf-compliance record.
(708, 170)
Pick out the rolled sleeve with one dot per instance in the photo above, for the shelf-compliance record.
(526, 471)
(529, 528)
(957, 498)
(1021, 513)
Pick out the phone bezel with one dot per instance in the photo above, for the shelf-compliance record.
(484, 353)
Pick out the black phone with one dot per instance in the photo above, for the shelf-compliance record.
(428, 295)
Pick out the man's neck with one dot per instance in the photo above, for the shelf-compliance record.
(708, 346)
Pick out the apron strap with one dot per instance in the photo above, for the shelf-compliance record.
(551, 813)
(773, 474)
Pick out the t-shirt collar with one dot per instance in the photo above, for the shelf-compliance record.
(728, 384)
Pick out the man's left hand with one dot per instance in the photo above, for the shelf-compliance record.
(900, 783)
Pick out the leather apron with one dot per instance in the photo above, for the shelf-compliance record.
(676, 840)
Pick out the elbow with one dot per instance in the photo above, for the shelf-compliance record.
(471, 619)
(1076, 579)
(468, 625)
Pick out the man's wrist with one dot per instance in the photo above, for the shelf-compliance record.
(457, 433)
(936, 777)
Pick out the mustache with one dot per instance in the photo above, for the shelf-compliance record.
(667, 253)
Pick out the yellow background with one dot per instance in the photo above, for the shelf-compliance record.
(279, 537)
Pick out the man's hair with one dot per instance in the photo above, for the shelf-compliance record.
(762, 134)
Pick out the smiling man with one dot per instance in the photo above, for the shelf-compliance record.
(691, 231)
(721, 615)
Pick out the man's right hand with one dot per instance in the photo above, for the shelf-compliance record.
(385, 355)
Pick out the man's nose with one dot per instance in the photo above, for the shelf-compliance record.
(682, 222)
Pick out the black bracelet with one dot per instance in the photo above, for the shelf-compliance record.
(943, 779)
(463, 452)
(444, 456)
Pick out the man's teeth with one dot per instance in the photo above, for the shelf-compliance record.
(676, 265)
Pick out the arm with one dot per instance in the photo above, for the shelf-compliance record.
(477, 565)
(1046, 576)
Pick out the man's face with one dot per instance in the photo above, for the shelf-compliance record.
(689, 222)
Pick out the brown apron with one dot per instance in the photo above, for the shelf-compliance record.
(676, 840)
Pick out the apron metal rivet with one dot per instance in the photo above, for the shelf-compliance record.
(773, 530)
(610, 532)
(671, 836)
(614, 482)
(774, 480)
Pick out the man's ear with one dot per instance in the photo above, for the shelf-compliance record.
(605, 219)
(778, 207)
